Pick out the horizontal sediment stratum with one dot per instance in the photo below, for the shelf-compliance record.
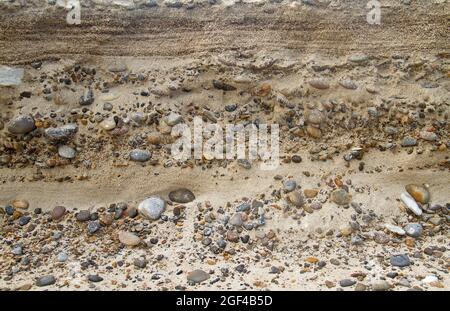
(113, 30)
(91, 196)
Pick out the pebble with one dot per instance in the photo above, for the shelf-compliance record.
(62, 257)
(93, 226)
(429, 136)
(413, 230)
(62, 133)
(9, 210)
(289, 185)
(58, 212)
(87, 98)
(66, 152)
(132, 212)
(419, 193)
(108, 124)
(181, 195)
(129, 238)
(139, 155)
(320, 84)
(45, 280)
(296, 198)
(313, 131)
(20, 204)
(400, 261)
(95, 278)
(152, 207)
(197, 276)
(140, 262)
(310, 193)
(315, 117)
(380, 285)
(395, 229)
(236, 220)
(347, 282)
(410, 203)
(173, 119)
(296, 159)
(409, 142)
(24, 220)
(83, 215)
(348, 84)
(21, 125)
(340, 197)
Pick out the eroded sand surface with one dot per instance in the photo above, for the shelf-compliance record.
(363, 114)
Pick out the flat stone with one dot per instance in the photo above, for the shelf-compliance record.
(320, 84)
(347, 282)
(310, 193)
(289, 185)
(428, 136)
(348, 84)
(139, 155)
(410, 203)
(129, 238)
(62, 133)
(315, 117)
(197, 276)
(95, 278)
(21, 125)
(358, 58)
(173, 119)
(381, 285)
(419, 193)
(182, 195)
(400, 261)
(152, 207)
(66, 152)
(395, 229)
(20, 204)
(45, 280)
(409, 142)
